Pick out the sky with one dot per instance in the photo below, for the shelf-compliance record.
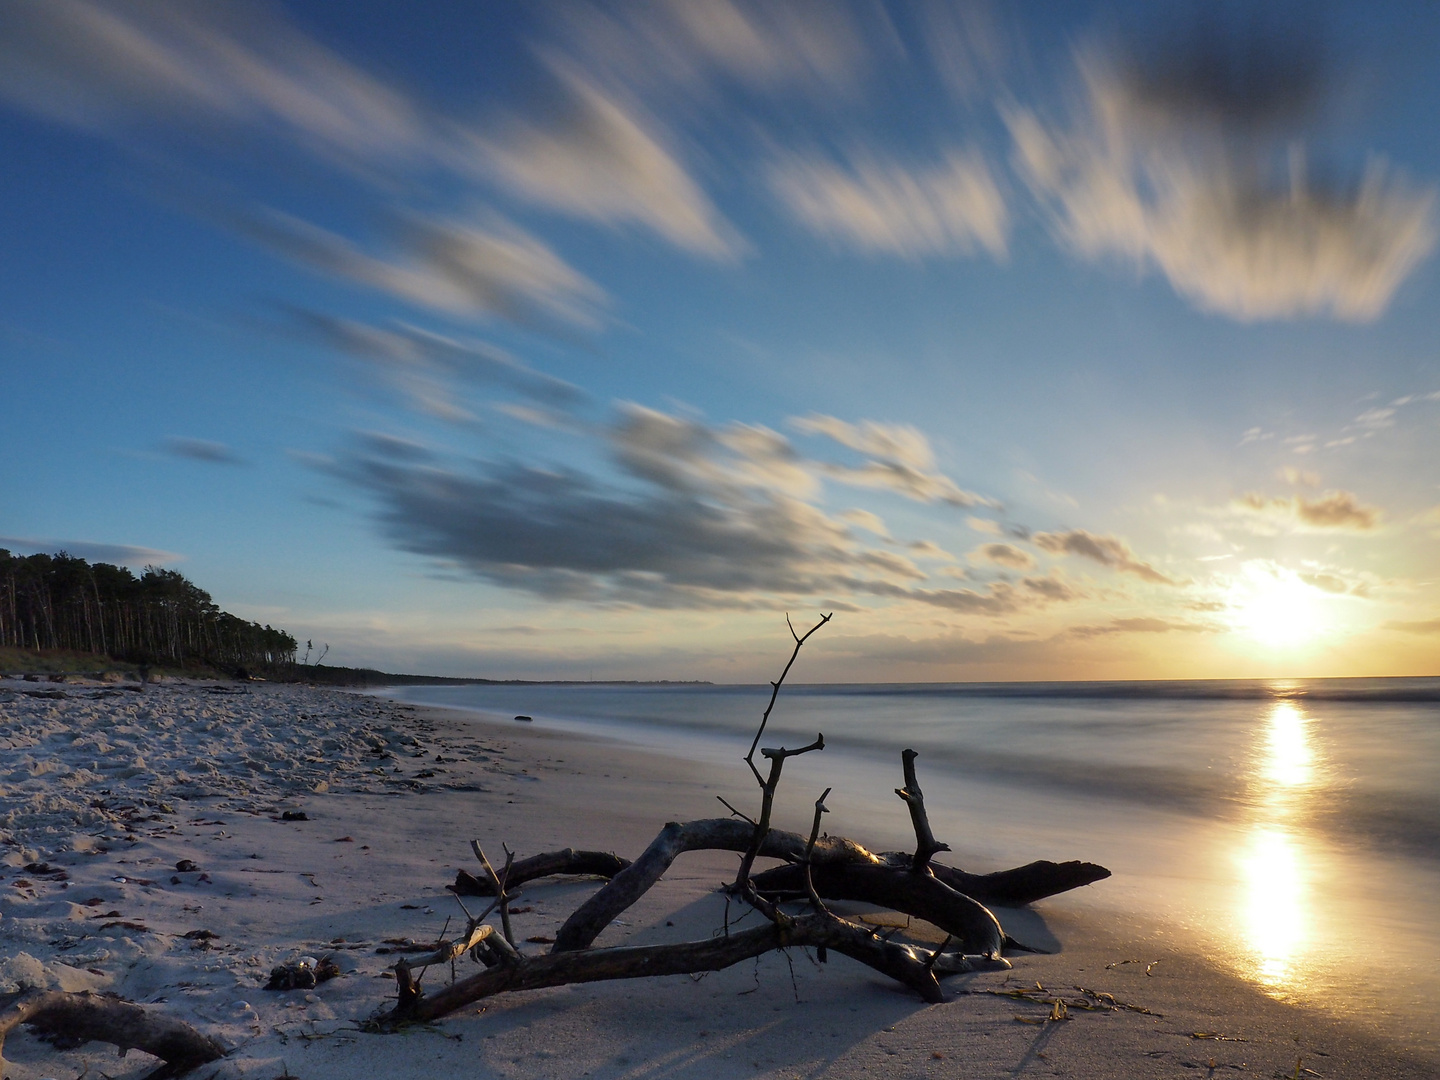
(1058, 341)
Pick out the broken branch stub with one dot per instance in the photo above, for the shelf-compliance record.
(925, 843)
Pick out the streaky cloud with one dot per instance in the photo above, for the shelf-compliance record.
(1108, 551)
(597, 158)
(901, 460)
(501, 271)
(1204, 178)
(952, 208)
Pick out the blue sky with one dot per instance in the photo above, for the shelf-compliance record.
(569, 340)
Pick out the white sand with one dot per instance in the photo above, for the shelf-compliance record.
(112, 788)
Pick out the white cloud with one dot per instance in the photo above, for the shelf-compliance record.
(875, 524)
(1157, 180)
(604, 161)
(901, 460)
(951, 208)
(670, 45)
(113, 68)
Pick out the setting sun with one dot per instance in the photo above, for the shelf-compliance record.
(1276, 608)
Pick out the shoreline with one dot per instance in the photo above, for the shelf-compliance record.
(371, 863)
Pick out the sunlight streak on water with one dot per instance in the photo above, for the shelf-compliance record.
(1276, 865)
(1289, 760)
(1276, 904)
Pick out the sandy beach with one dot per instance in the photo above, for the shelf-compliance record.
(144, 850)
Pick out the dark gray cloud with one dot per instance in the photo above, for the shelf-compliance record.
(117, 554)
(693, 516)
(1258, 75)
(214, 453)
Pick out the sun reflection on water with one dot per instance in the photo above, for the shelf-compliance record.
(1275, 872)
(1276, 903)
(1289, 759)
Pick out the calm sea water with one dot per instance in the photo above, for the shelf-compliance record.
(1290, 830)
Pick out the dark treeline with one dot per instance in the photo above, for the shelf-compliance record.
(63, 602)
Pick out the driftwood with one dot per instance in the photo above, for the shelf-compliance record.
(1017, 887)
(818, 868)
(1005, 888)
(86, 1016)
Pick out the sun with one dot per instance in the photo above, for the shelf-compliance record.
(1277, 609)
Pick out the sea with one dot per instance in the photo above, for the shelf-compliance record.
(1288, 830)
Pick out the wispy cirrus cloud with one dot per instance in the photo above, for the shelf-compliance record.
(900, 460)
(951, 208)
(444, 265)
(120, 70)
(426, 365)
(213, 453)
(595, 157)
(1193, 163)
(1335, 510)
(675, 46)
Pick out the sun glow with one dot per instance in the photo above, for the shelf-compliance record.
(1276, 608)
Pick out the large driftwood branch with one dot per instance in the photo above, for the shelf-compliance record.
(1016, 887)
(818, 930)
(88, 1016)
(1004, 888)
(676, 838)
(972, 925)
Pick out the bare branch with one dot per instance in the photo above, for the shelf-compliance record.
(734, 812)
(775, 691)
(502, 898)
(820, 808)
